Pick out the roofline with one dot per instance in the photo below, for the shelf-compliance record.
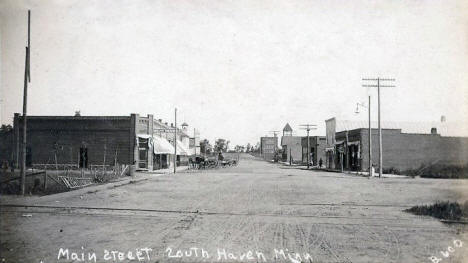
(77, 117)
(399, 129)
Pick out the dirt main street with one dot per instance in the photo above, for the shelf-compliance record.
(255, 212)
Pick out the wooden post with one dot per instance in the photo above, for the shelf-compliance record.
(341, 160)
(45, 181)
(347, 151)
(17, 141)
(104, 162)
(56, 163)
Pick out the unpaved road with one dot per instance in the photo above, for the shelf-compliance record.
(256, 206)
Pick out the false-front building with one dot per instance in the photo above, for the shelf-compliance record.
(405, 145)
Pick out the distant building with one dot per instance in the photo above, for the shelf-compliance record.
(405, 145)
(291, 146)
(317, 149)
(268, 147)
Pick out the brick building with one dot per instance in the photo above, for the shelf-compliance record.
(407, 147)
(268, 147)
(6, 145)
(98, 140)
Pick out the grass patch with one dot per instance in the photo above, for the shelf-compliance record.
(440, 171)
(442, 210)
(391, 170)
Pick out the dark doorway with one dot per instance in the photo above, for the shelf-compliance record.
(28, 157)
(83, 157)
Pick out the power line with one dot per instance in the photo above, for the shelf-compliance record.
(275, 134)
(175, 140)
(368, 107)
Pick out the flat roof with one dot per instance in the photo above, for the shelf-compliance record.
(77, 117)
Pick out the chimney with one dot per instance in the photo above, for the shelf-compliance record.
(434, 130)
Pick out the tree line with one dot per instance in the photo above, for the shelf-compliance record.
(222, 145)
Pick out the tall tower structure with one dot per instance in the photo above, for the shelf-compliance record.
(287, 130)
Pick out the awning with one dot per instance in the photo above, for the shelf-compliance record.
(144, 136)
(353, 143)
(181, 150)
(339, 142)
(162, 146)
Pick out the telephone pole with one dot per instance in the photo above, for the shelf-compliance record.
(27, 78)
(308, 127)
(379, 83)
(195, 142)
(275, 133)
(175, 140)
(368, 107)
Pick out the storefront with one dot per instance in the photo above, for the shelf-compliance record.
(143, 146)
(155, 153)
(182, 154)
(162, 150)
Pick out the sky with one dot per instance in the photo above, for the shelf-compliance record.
(237, 69)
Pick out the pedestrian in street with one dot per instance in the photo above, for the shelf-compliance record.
(320, 163)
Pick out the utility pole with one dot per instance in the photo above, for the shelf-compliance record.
(377, 83)
(275, 133)
(308, 127)
(175, 140)
(370, 137)
(368, 107)
(27, 78)
(194, 142)
(195, 145)
(205, 144)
